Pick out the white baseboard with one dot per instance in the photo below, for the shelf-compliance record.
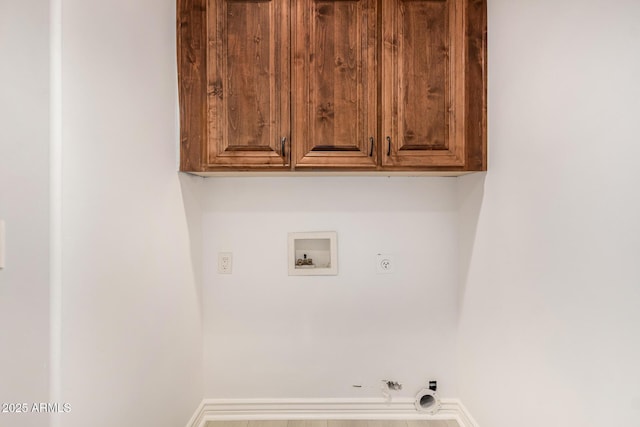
(466, 420)
(326, 409)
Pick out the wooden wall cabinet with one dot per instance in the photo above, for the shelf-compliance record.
(335, 84)
(346, 85)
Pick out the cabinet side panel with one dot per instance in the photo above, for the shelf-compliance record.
(476, 85)
(191, 46)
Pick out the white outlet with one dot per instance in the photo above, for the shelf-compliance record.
(225, 260)
(2, 244)
(385, 264)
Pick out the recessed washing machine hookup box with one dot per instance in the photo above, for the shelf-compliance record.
(313, 254)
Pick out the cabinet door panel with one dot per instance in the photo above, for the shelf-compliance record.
(334, 87)
(423, 83)
(248, 83)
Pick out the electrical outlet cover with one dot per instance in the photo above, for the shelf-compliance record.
(2, 244)
(385, 264)
(225, 260)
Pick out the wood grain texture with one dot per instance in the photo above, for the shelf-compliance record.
(349, 423)
(308, 423)
(234, 423)
(248, 76)
(248, 83)
(476, 85)
(269, 423)
(344, 71)
(432, 423)
(423, 83)
(334, 83)
(191, 50)
(387, 423)
(424, 66)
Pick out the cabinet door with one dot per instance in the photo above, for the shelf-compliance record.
(423, 83)
(334, 83)
(248, 83)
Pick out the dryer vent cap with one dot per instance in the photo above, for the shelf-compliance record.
(427, 401)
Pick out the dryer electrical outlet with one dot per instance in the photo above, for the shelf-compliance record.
(385, 264)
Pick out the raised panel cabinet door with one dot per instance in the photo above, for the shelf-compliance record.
(248, 54)
(334, 84)
(423, 84)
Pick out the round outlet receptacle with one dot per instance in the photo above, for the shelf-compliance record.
(385, 264)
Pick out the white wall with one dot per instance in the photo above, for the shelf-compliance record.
(551, 236)
(24, 200)
(268, 335)
(131, 339)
